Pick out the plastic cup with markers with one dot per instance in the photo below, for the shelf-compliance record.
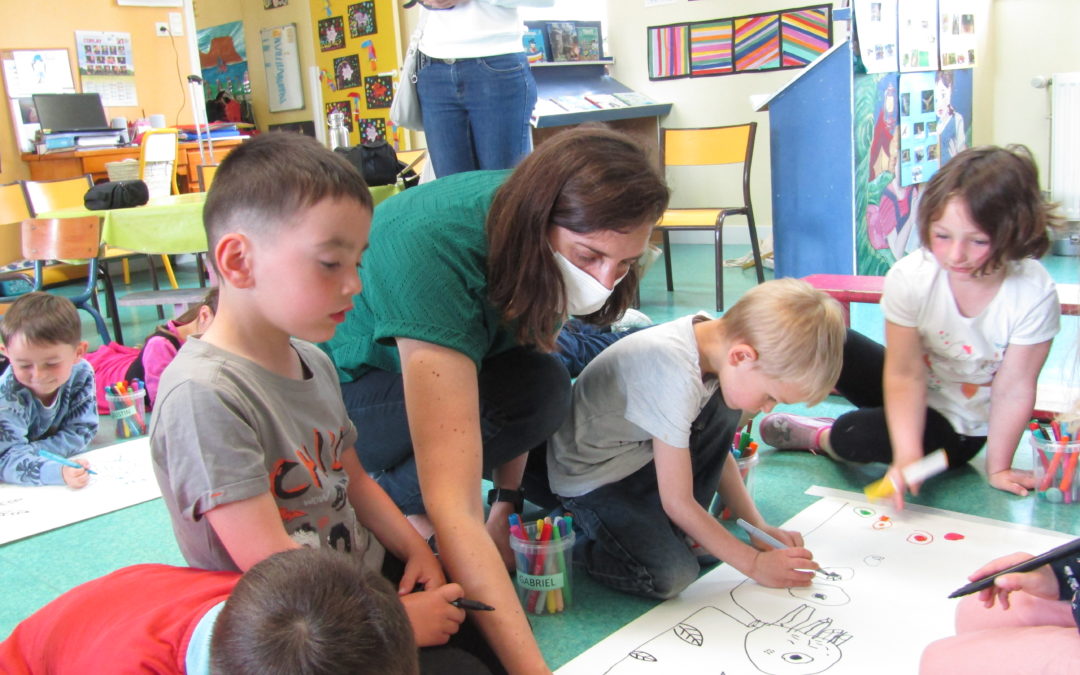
(543, 553)
(744, 450)
(1056, 462)
(127, 408)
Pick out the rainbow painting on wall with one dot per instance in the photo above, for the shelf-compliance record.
(711, 48)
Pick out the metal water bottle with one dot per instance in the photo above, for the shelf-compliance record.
(339, 134)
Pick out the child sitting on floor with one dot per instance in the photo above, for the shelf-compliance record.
(46, 394)
(298, 611)
(115, 362)
(649, 435)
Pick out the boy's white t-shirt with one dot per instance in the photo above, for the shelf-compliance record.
(964, 353)
(646, 385)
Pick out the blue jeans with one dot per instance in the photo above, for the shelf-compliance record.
(524, 397)
(626, 541)
(476, 111)
(579, 343)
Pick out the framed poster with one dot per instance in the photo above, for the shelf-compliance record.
(282, 64)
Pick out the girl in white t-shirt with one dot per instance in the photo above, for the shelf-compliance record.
(969, 321)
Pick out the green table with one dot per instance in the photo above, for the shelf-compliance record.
(164, 225)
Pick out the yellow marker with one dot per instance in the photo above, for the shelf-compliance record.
(917, 472)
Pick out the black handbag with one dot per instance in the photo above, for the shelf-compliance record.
(119, 194)
(377, 162)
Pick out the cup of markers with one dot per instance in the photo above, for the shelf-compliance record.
(1056, 462)
(543, 551)
(127, 407)
(744, 450)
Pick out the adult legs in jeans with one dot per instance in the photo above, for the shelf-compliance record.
(629, 543)
(579, 343)
(524, 397)
(862, 435)
(476, 111)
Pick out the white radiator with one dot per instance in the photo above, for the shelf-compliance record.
(1065, 144)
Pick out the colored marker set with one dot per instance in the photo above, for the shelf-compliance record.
(1056, 458)
(744, 450)
(543, 551)
(127, 406)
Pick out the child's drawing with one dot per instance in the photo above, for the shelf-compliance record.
(880, 568)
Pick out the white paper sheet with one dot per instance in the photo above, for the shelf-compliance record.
(884, 598)
(125, 476)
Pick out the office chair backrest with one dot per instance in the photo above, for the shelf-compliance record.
(61, 238)
(157, 161)
(49, 195)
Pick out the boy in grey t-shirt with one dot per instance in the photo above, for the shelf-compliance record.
(251, 443)
(648, 438)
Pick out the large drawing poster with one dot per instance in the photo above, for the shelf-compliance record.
(882, 597)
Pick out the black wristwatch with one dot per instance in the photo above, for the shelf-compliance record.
(515, 497)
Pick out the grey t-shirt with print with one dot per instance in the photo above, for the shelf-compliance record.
(225, 429)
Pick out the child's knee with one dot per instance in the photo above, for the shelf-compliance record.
(668, 581)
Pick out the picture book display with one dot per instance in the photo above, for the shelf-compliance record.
(124, 477)
(881, 569)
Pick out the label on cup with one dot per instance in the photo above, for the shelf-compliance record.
(120, 413)
(540, 582)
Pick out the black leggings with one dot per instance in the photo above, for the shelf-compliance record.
(862, 435)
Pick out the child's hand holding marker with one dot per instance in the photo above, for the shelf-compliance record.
(433, 614)
(784, 566)
(76, 472)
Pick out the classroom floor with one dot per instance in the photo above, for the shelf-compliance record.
(36, 569)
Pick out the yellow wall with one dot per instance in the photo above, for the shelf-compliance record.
(159, 87)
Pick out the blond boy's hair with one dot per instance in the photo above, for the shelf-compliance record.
(798, 333)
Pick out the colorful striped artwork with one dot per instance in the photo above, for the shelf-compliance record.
(668, 52)
(710, 48)
(805, 34)
(757, 42)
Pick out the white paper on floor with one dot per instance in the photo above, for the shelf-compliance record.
(882, 599)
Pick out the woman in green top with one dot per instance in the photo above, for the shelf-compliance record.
(445, 361)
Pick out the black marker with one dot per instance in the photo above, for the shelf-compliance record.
(465, 603)
(1050, 556)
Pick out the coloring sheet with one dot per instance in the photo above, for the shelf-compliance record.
(881, 597)
(125, 476)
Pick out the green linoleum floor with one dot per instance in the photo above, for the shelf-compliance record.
(36, 569)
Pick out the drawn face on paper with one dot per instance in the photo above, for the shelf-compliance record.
(796, 644)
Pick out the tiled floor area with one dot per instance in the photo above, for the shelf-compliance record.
(36, 569)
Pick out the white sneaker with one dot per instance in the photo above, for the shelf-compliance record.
(631, 318)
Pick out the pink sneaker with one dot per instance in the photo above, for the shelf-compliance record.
(793, 432)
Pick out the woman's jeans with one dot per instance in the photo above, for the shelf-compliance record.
(629, 543)
(476, 111)
(524, 397)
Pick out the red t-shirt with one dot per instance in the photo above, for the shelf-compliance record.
(138, 619)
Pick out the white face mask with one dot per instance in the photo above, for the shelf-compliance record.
(584, 294)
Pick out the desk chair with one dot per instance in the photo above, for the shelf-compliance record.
(159, 152)
(710, 146)
(45, 239)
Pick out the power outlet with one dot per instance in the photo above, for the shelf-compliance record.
(176, 24)
(161, 29)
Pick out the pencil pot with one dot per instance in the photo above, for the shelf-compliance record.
(128, 413)
(746, 470)
(1056, 468)
(544, 573)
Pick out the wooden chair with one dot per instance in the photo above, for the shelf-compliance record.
(710, 146)
(45, 239)
(206, 176)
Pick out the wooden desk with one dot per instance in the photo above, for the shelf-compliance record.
(54, 165)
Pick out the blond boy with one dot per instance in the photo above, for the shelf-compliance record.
(47, 401)
(649, 437)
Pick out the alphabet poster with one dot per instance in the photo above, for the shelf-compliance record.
(125, 477)
(881, 596)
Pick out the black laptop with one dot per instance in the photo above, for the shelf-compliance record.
(70, 113)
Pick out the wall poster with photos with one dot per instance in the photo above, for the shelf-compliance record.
(358, 66)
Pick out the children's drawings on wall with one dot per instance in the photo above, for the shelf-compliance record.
(125, 476)
(875, 561)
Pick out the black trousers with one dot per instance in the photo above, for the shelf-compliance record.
(862, 435)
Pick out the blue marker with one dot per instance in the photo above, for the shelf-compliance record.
(757, 532)
(63, 460)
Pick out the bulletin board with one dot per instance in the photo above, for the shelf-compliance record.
(357, 58)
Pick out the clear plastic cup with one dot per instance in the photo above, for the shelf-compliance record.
(1057, 466)
(544, 573)
(746, 465)
(128, 412)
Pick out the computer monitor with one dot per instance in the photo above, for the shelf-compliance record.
(65, 113)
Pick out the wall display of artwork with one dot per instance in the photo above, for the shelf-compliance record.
(357, 65)
(956, 35)
(223, 58)
(917, 29)
(28, 72)
(754, 43)
(876, 34)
